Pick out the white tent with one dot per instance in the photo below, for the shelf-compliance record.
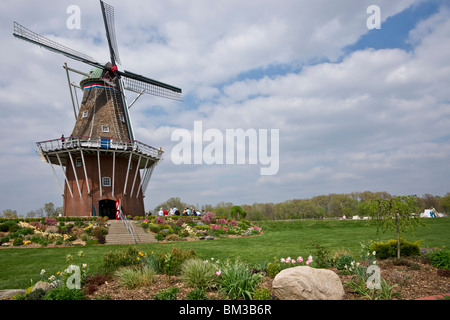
(427, 214)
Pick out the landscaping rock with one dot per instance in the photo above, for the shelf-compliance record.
(9, 293)
(206, 238)
(79, 242)
(306, 283)
(42, 285)
(52, 229)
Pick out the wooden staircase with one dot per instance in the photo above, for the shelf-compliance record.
(118, 234)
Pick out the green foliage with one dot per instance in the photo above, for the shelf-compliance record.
(358, 283)
(167, 294)
(197, 273)
(197, 294)
(273, 268)
(440, 259)
(18, 241)
(237, 210)
(397, 213)
(120, 258)
(171, 262)
(135, 277)
(38, 294)
(237, 281)
(262, 294)
(321, 256)
(388, 249)
(64, 293)
(344, 262)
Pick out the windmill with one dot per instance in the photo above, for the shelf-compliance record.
(106, 171)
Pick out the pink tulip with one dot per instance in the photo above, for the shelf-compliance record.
(218, 273)
(282, 260)
(299, 259)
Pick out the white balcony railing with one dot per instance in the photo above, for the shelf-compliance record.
(98, 143)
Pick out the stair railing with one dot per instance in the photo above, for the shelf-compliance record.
(129, 225)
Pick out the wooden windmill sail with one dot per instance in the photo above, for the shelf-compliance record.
(104, 167)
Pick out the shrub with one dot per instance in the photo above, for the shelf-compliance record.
(154, 228)
(262, 294)
(273, 268)
(237, 281)
(199, 274)
(440, 259)
(173, 237)
(132, 278)
(120, 258)
(64, 293)
(343, 261)
(171, 262)
(388, 249)
(51, 221)
(208, 217)
(99, 231)
(38, 294)
(160, 236)
(321, 257)
(197, 294)
(168, 294)
(18, 241)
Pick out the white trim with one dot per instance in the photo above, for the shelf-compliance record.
(65, 176)
(99, 174)
(126, 178)
(85, 172)
(135, 176)
(75, 172)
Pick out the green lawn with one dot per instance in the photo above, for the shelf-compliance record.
(21, 267)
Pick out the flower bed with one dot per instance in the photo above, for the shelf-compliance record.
(52, 231)
(179, 228)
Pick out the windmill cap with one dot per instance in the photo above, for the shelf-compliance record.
(95, 73)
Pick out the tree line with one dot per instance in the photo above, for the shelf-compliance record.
(328, 206)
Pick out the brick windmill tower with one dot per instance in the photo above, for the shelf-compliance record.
(106, 171)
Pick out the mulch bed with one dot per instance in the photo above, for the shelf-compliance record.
(415, 278)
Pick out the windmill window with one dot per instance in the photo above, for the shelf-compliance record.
(78, 162)
(106, 181)
(105, 128)
(85, 114)
(122, 118)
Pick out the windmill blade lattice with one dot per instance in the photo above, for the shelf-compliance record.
(108, 16)
(26, 34)
(139, 83)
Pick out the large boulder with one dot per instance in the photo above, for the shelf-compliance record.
(306, 283)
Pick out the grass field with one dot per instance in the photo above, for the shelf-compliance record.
(20, 268)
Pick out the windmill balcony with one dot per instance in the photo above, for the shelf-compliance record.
(97, 144)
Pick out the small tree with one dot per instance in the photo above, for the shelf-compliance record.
(397, 213)
(237, 210)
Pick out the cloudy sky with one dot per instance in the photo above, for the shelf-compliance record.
(356, 108)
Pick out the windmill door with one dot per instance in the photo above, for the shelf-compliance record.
(107, 208)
